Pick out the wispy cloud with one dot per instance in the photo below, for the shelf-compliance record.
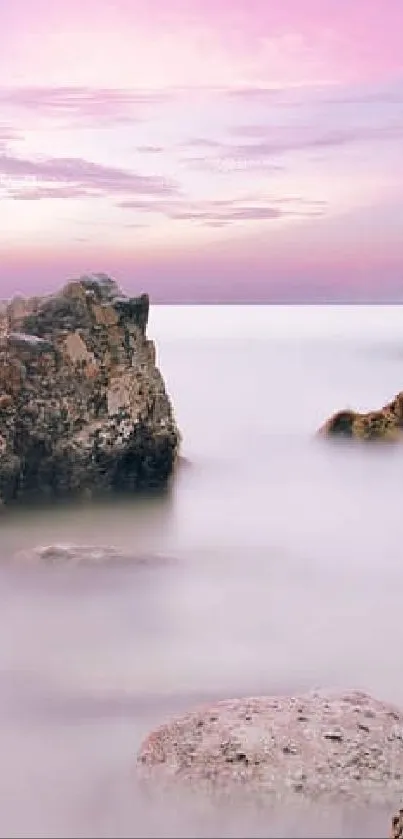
(223, 212)
(41, 193)
(277, 141)
(226, 163)
(82, 105)
(230, 215)
(72, 177)
(7, 133)
(102, 106)
(389, 96)
(203, 143)
(263, 93)
(296, 96)
(272, 142)
(150, 149)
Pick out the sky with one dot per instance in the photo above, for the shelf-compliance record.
(203, 150)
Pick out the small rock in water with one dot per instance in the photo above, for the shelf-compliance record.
(86, 555)
(384, 425)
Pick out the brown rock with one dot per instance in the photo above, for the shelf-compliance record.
(6, 401)
(385, 425)
(106, 316)
(87, 408)
(75, 349)
(12, 373)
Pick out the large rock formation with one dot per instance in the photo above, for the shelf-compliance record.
(83, 407)
(314, 748)
(383, 425)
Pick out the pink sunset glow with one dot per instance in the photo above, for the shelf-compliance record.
(226, 150)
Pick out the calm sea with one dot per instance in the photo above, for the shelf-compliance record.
(287, 571)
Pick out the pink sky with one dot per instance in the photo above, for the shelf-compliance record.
(203, 149)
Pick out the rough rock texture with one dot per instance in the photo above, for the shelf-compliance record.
(396, 831)
(71, 555)
(314, 747)
(385, 424)
(83, 406)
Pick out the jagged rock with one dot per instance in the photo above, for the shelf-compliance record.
(312, 748)
(83, 407)
(383, 425)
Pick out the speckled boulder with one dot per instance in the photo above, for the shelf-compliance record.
(316, 747)
(384, 425)
(83, 406)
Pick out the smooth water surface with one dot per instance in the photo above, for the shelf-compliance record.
(287, 570)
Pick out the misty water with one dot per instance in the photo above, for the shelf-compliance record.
(284, 572)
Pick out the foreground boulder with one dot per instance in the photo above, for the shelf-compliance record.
(312, 748)
(83, 407)
(385, 424)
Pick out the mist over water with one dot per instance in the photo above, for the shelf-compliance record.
(284, 572)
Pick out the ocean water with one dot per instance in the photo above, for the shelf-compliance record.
(285, 572)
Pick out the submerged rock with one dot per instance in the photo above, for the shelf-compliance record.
(68, 555)
(313, 748)
(383, 425)
(83, 407)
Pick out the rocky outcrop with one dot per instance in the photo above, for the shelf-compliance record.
(83, 407)
(383, 425)
(312, 748)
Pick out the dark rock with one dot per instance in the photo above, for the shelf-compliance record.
(29, 343)
(133, 308)
(83, 407)
(397, 826)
